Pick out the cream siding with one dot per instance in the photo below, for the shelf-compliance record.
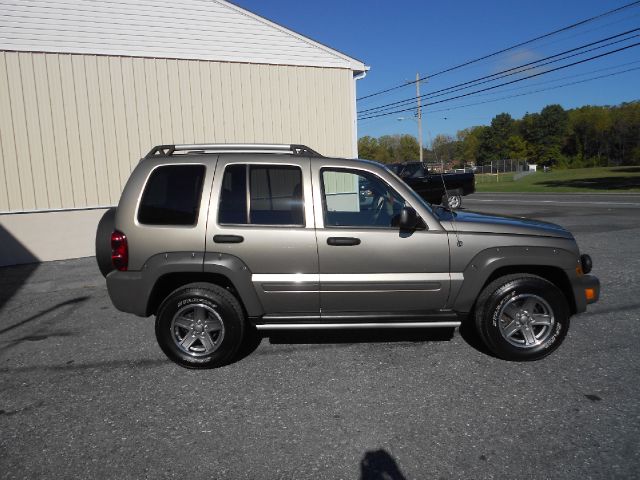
(73, 126)
(184, 29)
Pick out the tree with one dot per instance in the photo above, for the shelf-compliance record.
(409, 148)
(469, 143)
(367, 147)
(444, 147)
(585, 136)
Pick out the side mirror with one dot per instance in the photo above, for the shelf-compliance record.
(408, 219)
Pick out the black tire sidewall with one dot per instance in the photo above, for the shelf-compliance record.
(231, 319)
(536, 286)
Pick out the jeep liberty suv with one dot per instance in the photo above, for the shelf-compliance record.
(217, 240)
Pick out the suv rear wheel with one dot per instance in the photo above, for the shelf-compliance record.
(200, 326)
(522, 317)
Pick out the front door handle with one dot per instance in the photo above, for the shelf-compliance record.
(343, 241)
(228, 239)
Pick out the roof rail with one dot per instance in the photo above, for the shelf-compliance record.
(293, 149)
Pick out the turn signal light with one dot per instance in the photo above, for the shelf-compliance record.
(119, 251)
(590, 293)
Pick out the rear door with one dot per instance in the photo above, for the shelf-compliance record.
(262, 212)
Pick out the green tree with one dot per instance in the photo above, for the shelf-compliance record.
(367, 147)
(409, 148)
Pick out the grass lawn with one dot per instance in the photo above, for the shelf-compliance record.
(588, 180)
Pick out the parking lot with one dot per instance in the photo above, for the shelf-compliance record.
(85, 392)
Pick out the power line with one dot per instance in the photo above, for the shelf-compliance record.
(507, 83)
(476, 60)
(508, 72)
(536, 85)
(535, 91)
(559, 79)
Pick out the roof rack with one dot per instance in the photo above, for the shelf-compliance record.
(293, 149)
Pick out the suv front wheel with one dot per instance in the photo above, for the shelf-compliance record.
(200, 326)
(522, 317)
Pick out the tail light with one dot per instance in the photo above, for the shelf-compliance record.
(119, 251)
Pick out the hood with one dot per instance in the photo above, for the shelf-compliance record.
(483, 223)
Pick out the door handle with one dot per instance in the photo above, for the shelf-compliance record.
(228, 239)
(343, 241)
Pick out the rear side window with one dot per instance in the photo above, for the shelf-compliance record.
(172, 195)
(275, 195)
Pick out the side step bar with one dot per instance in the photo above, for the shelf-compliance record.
(356, 325)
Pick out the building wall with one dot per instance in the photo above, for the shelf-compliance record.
(72, 127)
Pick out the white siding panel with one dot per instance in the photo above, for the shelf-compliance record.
(96, 117)
(120, 119)
(153, 103)
(142, 102)
(47, 137)
(185, 29)
(70, 109)
(10, 186)
(62, 152)
(196, 102)
(20, 132)
(215, 73)
(73, 127)
(85, 135)
(110, 138)
(33, 130)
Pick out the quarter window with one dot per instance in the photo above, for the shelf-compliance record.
(359, 200)
(172, 195)
(275, 195)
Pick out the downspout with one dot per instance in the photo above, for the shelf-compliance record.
(356, 77)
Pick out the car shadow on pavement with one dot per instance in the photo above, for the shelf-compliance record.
(470, 335)
(253, 338)
(377, 335)
(379, 465)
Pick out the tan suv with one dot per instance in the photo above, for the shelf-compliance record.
(217, 239)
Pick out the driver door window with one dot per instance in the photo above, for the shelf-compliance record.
(359, 200)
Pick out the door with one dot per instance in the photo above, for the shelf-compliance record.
(366, 263)
(258, 214)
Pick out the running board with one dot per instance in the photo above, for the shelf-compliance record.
(356, 325)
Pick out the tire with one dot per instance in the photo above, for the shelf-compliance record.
(103, 241)
(200, 326)
(522, 317)
(453, 201)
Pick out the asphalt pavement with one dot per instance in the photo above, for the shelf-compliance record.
(85, 392)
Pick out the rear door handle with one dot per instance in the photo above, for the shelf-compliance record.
(343, 241)
(228, 239)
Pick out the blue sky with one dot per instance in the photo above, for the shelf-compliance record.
(398, 39)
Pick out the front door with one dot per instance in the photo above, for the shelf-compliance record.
(366, 263)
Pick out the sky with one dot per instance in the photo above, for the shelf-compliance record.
(399, 39)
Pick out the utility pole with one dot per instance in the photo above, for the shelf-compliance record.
(419, 114)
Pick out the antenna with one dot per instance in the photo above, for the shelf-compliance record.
(446, 194)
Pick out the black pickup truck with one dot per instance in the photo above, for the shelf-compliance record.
(430, 185)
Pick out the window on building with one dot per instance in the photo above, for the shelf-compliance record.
(172, 195)
(359, 199)
(275, 195)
